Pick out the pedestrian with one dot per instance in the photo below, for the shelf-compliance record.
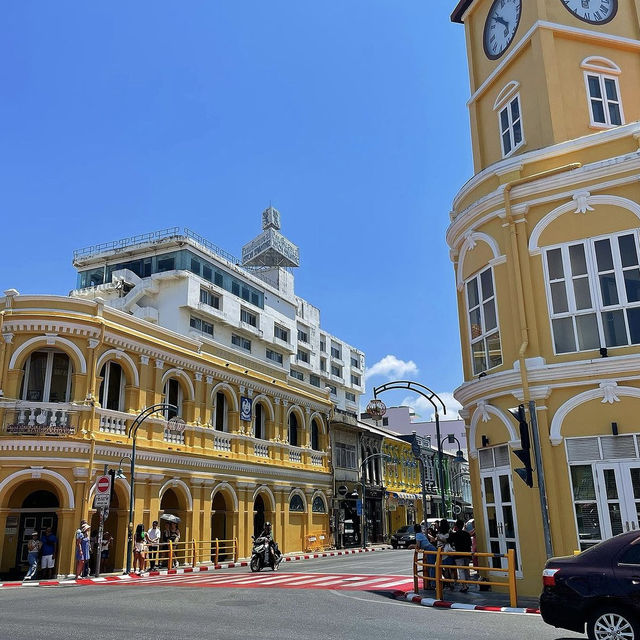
(174, 536)
(164, 547)
(49, 544)
(33, 548)
(424, 544)
(153, 541)
(107, 538)
(140, 550)
(470, 528)
(461, 541)
(82, 548)
(443, 542)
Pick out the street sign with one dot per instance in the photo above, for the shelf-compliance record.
(359, 507)
(343, 490)
(103, 492)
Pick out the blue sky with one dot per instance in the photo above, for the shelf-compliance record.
(121, 118)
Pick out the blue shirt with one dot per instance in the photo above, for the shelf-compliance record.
(423, 542)
(48, 544)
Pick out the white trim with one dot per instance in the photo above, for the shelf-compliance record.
(484, 410)
(298, 492)
(173, 484)
(316, 415)
(225, 486)
(264, 400)
(505, 94)
(264, 489)
(604, 391)
(294, 408)
(600, 64)
(318, 493)
(224, 386)
(469, 243)
(179, 373)
(37, 474)
(119, 355)
(616, 201)
(49, 341)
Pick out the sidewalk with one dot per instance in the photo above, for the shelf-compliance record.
(473, 600)
(243, 562)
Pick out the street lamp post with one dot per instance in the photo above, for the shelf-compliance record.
(384, 456)
(133, 434)
(459, 458)
(435, 400)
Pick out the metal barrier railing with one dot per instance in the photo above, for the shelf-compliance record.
(318, 541)
(193, 552)
(421, 568)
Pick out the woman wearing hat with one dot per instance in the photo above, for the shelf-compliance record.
(82, 548)
(33, 548)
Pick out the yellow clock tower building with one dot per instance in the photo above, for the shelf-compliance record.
(546, 250)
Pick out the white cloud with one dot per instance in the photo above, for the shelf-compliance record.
(392, 368)
(424, 408)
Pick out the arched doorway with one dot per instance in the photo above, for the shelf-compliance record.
(221, 526)
(258, 516)
(37, 512)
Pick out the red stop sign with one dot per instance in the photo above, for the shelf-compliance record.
(103, 484)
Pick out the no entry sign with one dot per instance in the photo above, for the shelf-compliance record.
(103, 492)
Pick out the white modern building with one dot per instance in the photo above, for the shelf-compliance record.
(245, 309)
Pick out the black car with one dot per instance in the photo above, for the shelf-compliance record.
(403, 537)
(600, 587)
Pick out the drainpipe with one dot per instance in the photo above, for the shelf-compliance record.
(524, 336)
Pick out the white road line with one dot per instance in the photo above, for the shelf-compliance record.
(384, 585)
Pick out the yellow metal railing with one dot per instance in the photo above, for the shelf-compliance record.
(318, 541)
(434, 560)
(193, 552)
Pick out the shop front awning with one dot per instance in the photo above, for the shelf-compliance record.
(403, 495)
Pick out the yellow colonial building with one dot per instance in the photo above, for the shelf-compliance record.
(544, 240)
(168, 320)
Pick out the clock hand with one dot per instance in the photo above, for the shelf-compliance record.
(501, 20)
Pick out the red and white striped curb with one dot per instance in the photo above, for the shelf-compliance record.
(445, 604)
(207, 567)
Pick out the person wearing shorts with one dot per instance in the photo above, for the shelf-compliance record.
(49, 544)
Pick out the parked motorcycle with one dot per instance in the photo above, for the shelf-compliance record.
(260, 556)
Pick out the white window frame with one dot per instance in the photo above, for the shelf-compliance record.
(202, 323)
(597, 307)
(210, 296)
(303, 352)
(603, 69)
(105, 385)
(240, 342)
(46, 391)
(270, 353)
(225, 410)
(249, 314)
(298, 375)
(507, 107)
(484, 335)
(283, 330)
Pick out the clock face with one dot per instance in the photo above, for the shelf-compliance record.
(592, 11)
(501, 26)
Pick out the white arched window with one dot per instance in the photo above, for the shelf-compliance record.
(111, 394)
(293, 429)
(508, 107)
(603, 91)
(47, 377)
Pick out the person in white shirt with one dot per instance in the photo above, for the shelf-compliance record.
(153, 541)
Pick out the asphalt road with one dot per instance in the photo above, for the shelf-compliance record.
(159, 613)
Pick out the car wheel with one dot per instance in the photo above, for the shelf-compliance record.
(612, 623)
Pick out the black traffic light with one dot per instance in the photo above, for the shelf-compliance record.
(524, 454)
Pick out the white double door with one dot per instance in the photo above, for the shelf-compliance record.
(618, 496)
(500, 516)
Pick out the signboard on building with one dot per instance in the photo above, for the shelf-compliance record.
(420, 445)
(245, 408)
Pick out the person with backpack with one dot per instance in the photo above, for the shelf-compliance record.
(461, 541)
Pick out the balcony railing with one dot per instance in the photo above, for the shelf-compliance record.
(316, 459)
(173, 437)
(40, 419)
(221, 441)
(295, 456)
(114, 422)
(261, 450)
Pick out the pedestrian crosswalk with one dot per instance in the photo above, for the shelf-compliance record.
(359, 582)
